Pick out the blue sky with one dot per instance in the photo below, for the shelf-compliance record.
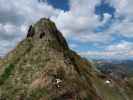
(60, 4)
(95, 29)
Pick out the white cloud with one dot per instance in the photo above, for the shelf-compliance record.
(94, 38)
(123, 28)
(73, 46)
(10, 29)
(15, 18)
(123, 9)
(6, 46)
(123, 6)
(80, 19)
(121, 50)
(123, 46)
(79, 22)
(98, 54)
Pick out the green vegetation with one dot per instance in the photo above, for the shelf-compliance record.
(7, 72)
(37, 94)
(108, 91)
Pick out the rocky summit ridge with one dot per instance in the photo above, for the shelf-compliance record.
(42, 67)
(46, 29)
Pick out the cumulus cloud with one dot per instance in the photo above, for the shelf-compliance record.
(16, 16)
(79, 23)
(123, 46)
(99, 38)
(123, 24)
(80, 19)
(122, 50)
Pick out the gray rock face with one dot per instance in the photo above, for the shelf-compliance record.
(31, 32)
(46, 29)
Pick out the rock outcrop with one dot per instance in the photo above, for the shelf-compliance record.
(46, 29)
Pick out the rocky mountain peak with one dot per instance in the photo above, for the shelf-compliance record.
(42, 67)
(46, 30)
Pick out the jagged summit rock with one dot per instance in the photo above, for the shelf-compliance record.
(41, 28)
(46, 29)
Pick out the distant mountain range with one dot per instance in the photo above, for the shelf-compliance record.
(116, 68)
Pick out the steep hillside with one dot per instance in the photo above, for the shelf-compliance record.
(42, 67)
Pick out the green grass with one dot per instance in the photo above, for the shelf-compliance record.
(107, 92)
(6, 73)
(37, 94)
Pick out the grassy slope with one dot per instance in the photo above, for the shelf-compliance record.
(34, 63)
